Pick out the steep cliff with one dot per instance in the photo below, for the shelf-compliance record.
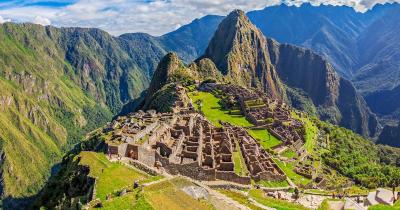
(239, 51)
(390, 136)
(334, 97)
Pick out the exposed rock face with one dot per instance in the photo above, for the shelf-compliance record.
(161, 94)
(169, 64)
(239, 51)
(335, 98)
(303, 69)
(390, 136)
(386, 102)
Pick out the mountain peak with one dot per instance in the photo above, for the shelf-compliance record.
(239, 51)
(237, 13)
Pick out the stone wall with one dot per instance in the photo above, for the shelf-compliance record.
(143, 167)
(146, 156)
(232, 177)
(266, 175)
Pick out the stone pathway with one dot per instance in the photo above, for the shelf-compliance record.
(219, 200)
(311, 201)
(336, 205)
(351, 204)
(279, 150)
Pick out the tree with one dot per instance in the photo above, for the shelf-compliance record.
(394, 178)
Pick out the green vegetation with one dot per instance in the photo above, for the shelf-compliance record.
(266, 139)
(310, 132)
(213, 111)
(239, 197)
(163, 99)
(57, 85)
(289, 153)
(385, 207)
(288, 169)
(111, 176)
(239, 163)
(167, 195)
(264, 183)
(325, 204)
(259, 196)
(358, 158)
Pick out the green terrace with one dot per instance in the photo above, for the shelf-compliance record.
(111, 176)
(213, 111)
(210, 106)
(259, 196)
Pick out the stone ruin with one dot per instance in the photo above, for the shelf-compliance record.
(184, 142)
(258, 161)
(264, 112)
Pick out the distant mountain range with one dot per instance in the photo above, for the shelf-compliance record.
(362, 47)
(59, 83)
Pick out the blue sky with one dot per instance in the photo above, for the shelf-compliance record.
(151, 16)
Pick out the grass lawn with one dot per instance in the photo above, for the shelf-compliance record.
(288, 169)
(311, 132)
(396, 206)
(266, 139)
(383, 207)
(239, 163)
(289, 153)
(167, 195)
(258, 195)
(240, 198)
(213, 111)
(325, 205)
(133, 200)
(272, 184)
(111, 176)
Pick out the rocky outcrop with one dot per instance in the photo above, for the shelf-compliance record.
(239, 51)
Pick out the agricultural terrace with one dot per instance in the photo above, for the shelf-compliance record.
(111, 176)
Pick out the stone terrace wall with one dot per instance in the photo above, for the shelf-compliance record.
(146, 156)
(192, 170)
(232, 177)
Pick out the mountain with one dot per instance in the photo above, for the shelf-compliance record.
(191, 135)
(334, 97)
(330, 31)
(191, 40)
(360, 46)
(390, 136)
(56, 85)
(239, 51)
(246, 57)
(379, 48)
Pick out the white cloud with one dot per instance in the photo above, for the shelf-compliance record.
(155, 17)
(42, 21)
(3, 20)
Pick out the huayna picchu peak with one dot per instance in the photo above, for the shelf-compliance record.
(239, 50)
(217, 114)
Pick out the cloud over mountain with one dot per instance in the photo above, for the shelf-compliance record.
(152, 16)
